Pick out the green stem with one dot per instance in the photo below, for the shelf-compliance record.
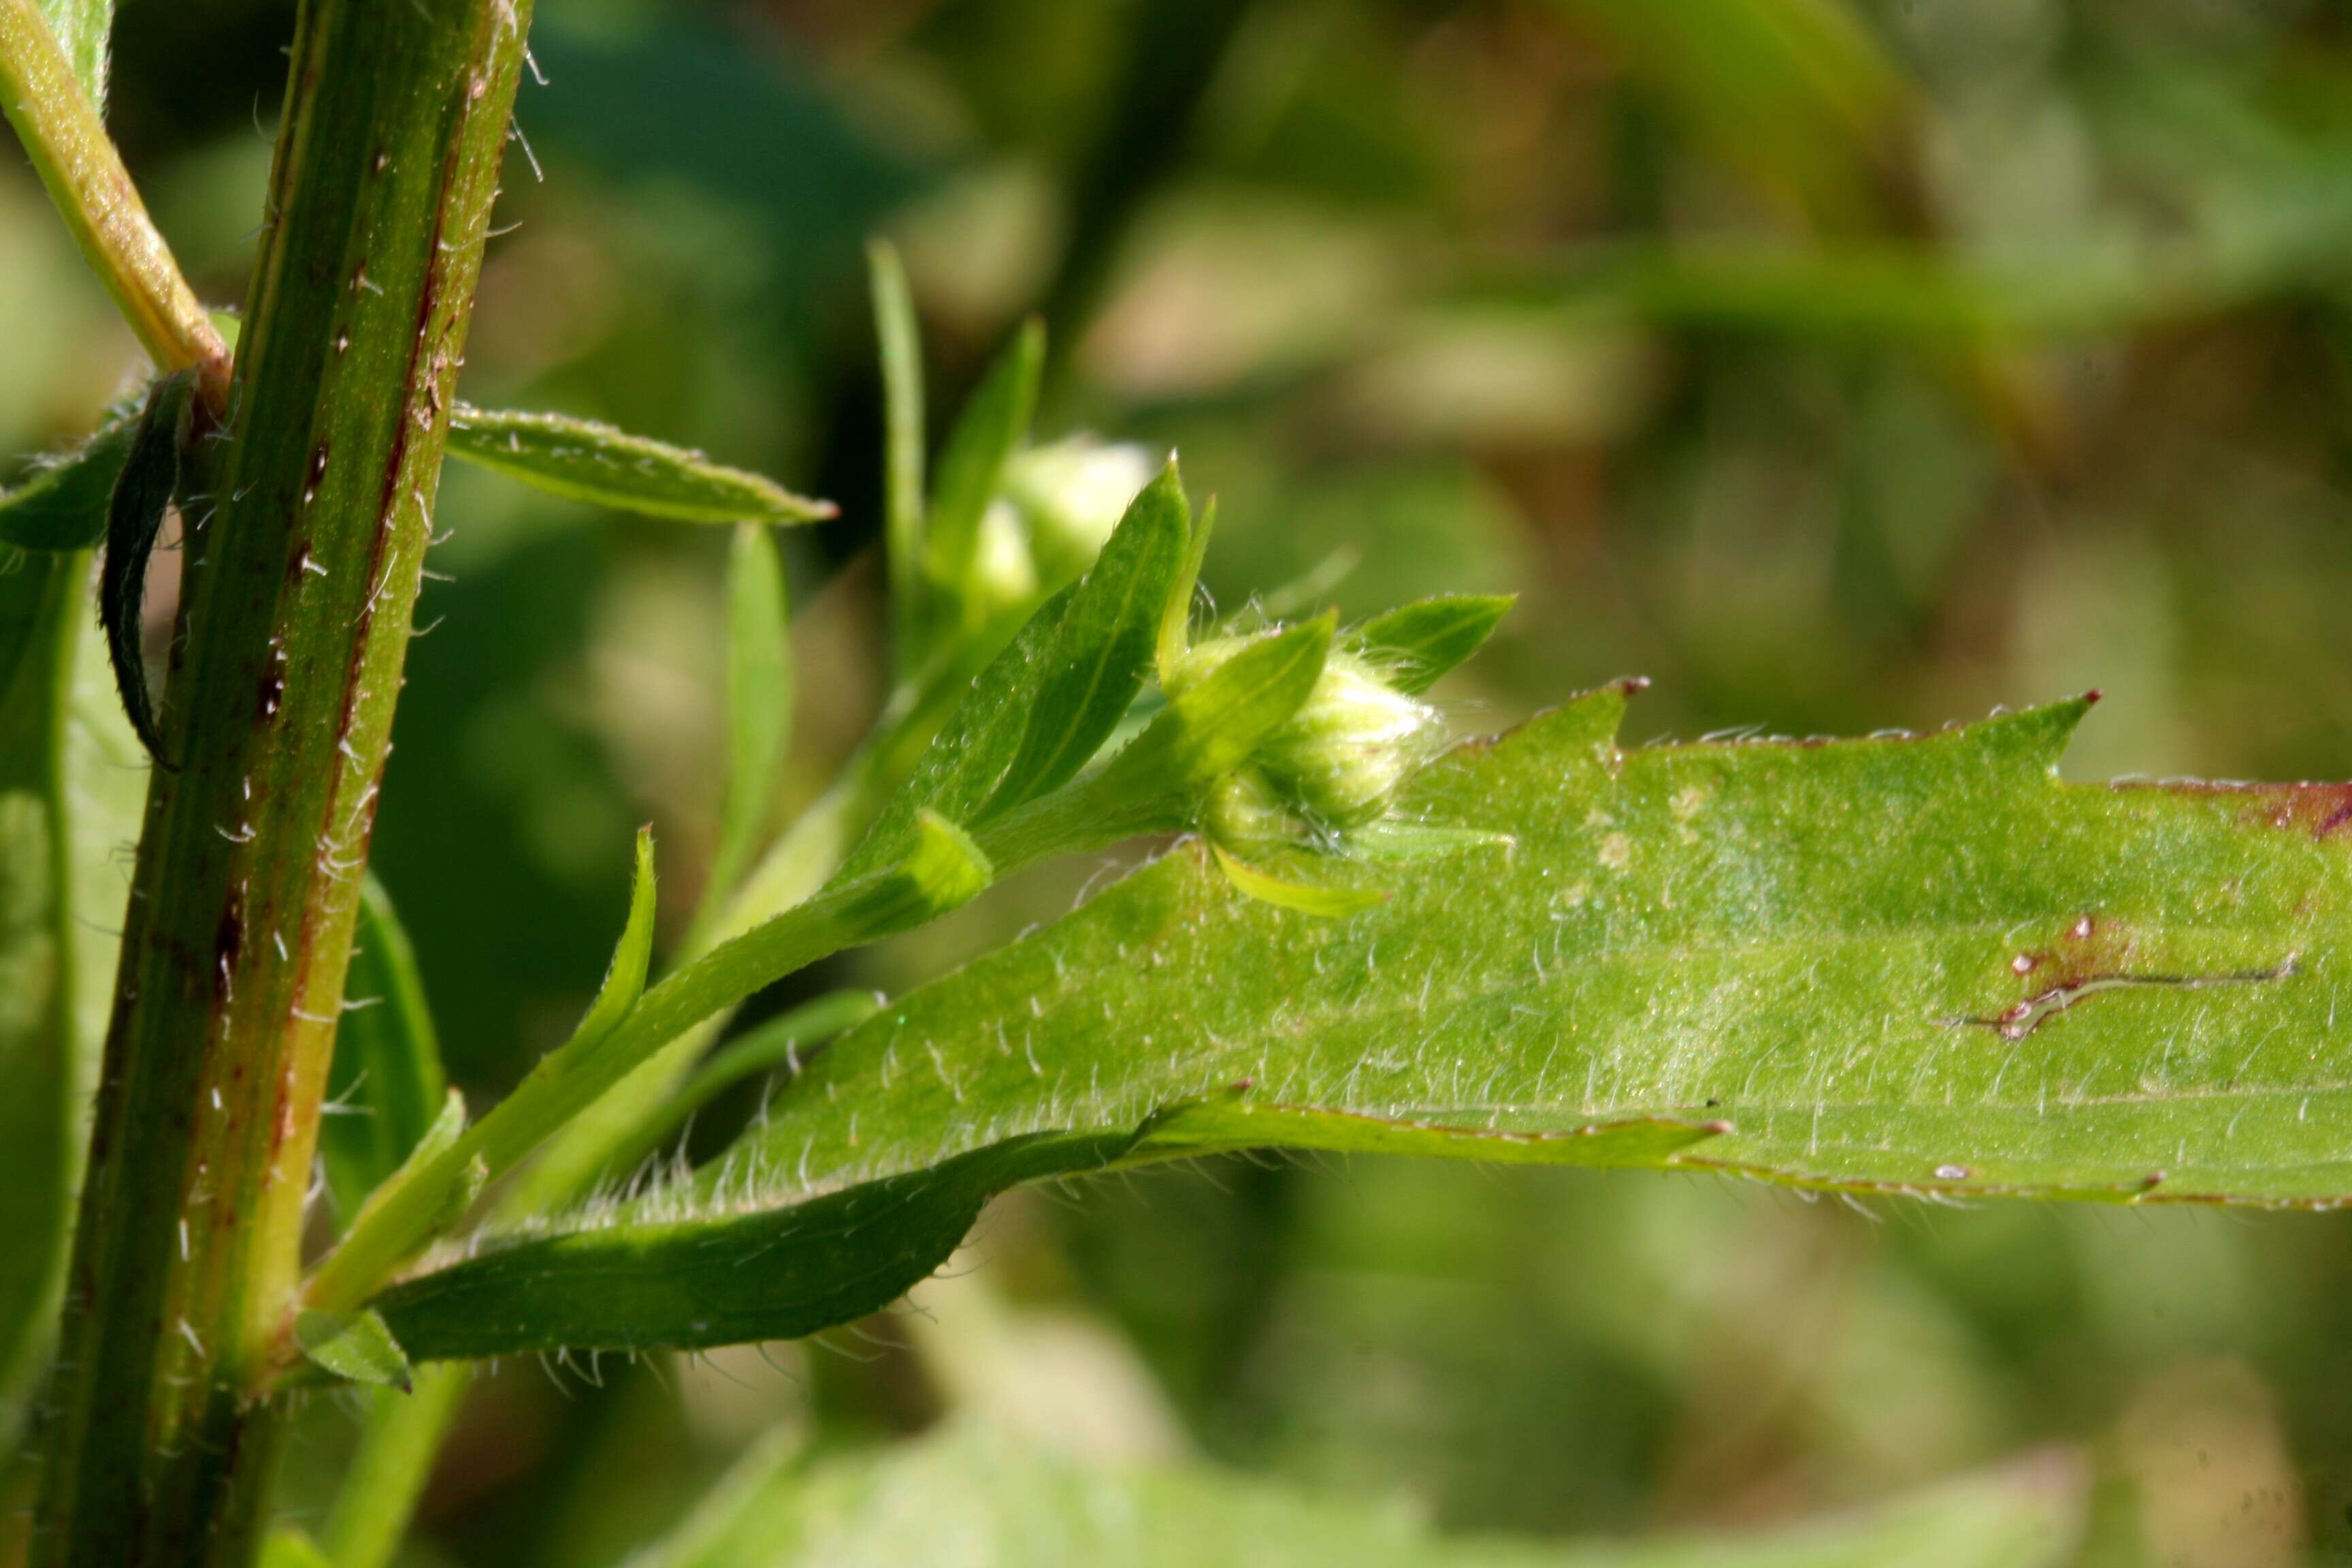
(76, 160)
(387, 1475)
(294, 626)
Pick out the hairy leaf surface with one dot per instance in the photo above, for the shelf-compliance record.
(1924, 965)
(1915, 964)
(584, 460)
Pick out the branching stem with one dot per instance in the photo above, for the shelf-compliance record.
(76, 161)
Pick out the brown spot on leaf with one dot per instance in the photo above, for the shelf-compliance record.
(2317, 809)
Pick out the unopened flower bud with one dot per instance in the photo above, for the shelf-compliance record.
(1342, 759)
(1002, 571)
(1073, 494)
(1245, 815)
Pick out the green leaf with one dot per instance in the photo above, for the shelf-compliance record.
(1102, 646)
(72, 784)
(134, 516)
(1307, 898)
(1414, 644)
(1210, 728)
(38, 605)
(960, 766)
(759, 702)
(353, 1346)
(290, 1548)
(902, 449)
(400, 1435)
(1155, 783)
(941, 871)
(991, 427)
(769, 1274)
(624, 977)
(587, 461)
(386, 1087)
(450, 1166)
(63, 505)
(758, 1051)
(972, 1495)
(82, 27)
(1895, 965)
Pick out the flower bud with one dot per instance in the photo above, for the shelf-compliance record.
(1245, 815)
(1004, 573)
(1341, 760)
(1073, 494)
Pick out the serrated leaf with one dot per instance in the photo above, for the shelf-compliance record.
(759, 701)
(584, 460)
(1102, 646)
(355, 1347)
(968, 1493)
(134, 516)
(991, 428)
(386, 1086)
(1919, 965)
(1415, 644)
(62, 505)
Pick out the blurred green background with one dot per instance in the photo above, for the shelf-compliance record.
(1839, 365)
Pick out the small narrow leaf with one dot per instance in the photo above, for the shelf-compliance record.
(1414, 644)
(1102, 646)
(991, 427)
(63, 505)
(1176, 618)
(770, 1275)
(961, 767)
(759, 701)
(581, 460)
(902, 448)
(142, 495)
(386, 1087)
(449, 1167)
(353, 1346)
(1328, 903)
(632, 955)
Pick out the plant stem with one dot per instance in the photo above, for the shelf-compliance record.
(378, 1493)
(294, 624)
(70, 150)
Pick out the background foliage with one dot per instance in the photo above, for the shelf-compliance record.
(1836, 366)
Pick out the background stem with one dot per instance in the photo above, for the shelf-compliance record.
(59, 125)
(294, 625)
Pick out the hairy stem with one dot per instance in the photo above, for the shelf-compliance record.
(69, 148)
(294, 625)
